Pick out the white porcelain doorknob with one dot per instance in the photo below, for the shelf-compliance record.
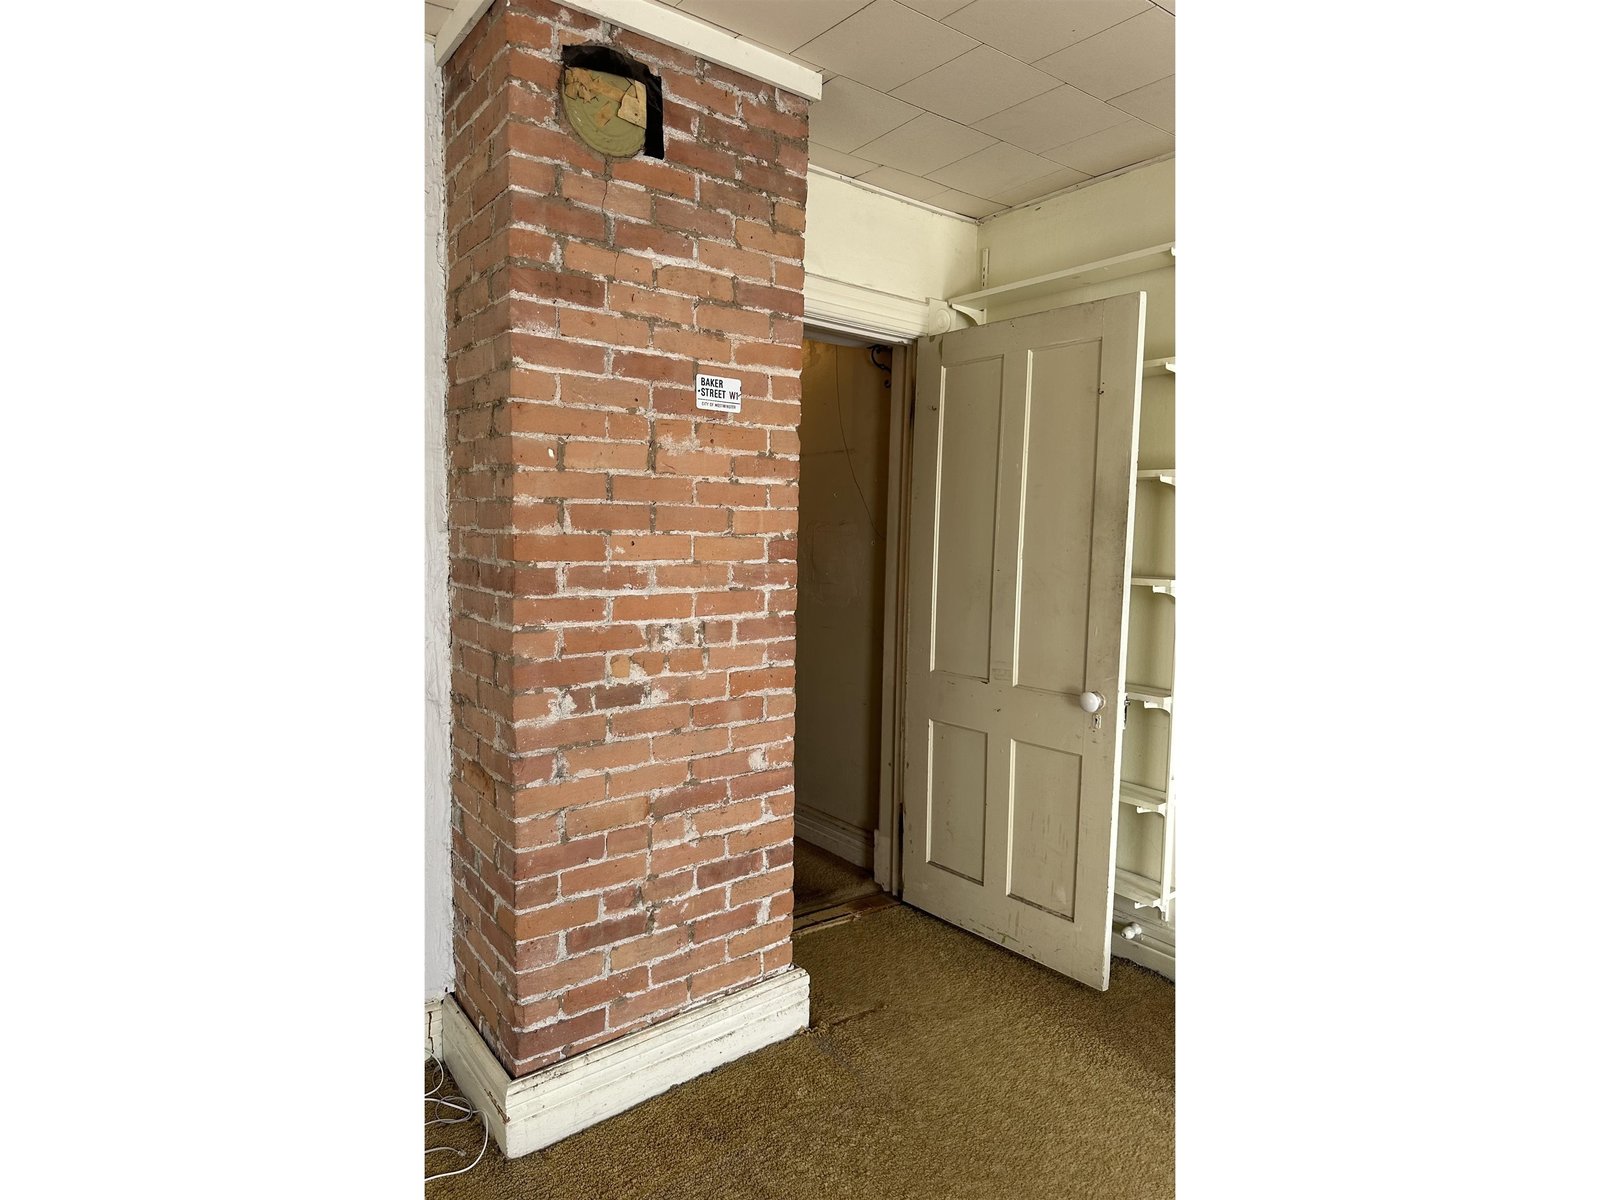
(1091, 702)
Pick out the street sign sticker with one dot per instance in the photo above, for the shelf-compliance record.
(719, 393)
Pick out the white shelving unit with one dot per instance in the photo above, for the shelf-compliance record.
(1146, 792)
(1143, 799)
(1142, 891)
(1104, 270)
(1150, 697)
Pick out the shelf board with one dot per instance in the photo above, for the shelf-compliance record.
(1143, 799)
(1118, 266)
(1167, 475)
(1161, 366)
(1140, 890)
(1150, 697)
(1156, 583)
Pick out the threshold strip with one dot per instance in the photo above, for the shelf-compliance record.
(838, 914)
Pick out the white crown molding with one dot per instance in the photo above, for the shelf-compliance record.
(867, 313)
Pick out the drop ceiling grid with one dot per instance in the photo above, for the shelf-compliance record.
(971, 105)
(974, 105)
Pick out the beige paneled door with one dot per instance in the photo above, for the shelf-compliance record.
(1021, 499)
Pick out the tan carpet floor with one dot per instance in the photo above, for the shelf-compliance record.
(821, 879)
(937, 1065)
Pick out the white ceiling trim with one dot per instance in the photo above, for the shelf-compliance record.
(703, 41)
(900, 196)
(1087, 183)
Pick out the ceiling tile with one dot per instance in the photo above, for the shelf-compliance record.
(1153, 103)
(851, 114)
(924, 145)
(1042, 186)
(994, 169)
(886, 44)
(937, 9)
(978, 84)
(1029, 30)
(891, 180)
(781, 26)
(1063, 115)
(967, 205)
(1124, 57)
(1120, 146)
(838, 162)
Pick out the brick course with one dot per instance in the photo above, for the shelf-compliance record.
(622, 564)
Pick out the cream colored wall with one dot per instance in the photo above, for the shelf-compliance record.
(1104, 219)
(872, 240)
(844, 456)
(1130, 212)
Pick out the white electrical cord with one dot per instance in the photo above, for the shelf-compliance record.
(458, 1104)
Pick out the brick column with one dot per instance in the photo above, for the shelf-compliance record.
(622, 564)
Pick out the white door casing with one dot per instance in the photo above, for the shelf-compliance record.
(1021, 503)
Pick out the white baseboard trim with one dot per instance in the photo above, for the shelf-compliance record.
(433, 1034)
(1156, 947)
(833, 835)
(539, 1110)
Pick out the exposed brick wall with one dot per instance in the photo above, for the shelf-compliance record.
(622, 565)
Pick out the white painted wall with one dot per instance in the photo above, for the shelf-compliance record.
(844, 469)
(438, 964)
(862, 238)
(1103, 219)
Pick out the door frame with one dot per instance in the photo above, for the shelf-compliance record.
(887, 849)
(887, 837)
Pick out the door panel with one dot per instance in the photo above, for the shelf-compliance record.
(1045, 796)
(1053, 559)
(968, 467)
(956, 771)
(1021, 496)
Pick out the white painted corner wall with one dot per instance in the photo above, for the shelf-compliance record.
(874, 261)
(868, 237)
(1093, 222)
(438, 968)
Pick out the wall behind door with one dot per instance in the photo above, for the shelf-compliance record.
(844, 457)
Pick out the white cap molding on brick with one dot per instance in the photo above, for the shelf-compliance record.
(666, 25)
(456, 27)
(539, 1110)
